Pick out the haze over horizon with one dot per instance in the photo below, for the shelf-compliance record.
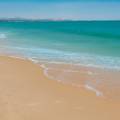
(61, 9)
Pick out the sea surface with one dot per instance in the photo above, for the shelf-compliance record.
(52, 44)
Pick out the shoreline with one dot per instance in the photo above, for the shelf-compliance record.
(93, 79)
(26, 93)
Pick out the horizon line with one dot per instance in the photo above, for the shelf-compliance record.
(51, 19)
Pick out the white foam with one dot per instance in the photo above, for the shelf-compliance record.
(17, 57)
(56, 56)
(33, 60)
(46, 73)
(2, 36)
(98, 93)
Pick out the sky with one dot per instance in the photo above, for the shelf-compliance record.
(61, 9)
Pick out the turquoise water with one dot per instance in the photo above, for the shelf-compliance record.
(91, 43)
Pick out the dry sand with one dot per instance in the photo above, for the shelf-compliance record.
(26, 94)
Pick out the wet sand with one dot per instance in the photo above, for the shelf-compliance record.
(27, 94)
(103, 82)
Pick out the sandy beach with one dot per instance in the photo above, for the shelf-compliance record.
(27, 94)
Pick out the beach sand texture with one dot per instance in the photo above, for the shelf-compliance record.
(26, 94)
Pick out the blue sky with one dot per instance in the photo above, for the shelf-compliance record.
(61, 9)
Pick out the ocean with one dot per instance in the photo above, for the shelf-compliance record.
(93, 44)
